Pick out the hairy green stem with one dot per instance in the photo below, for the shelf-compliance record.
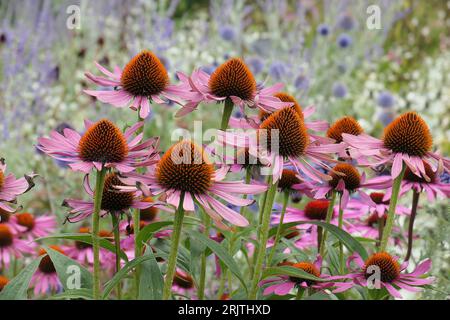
(116, 231)
(300, 292)
(327, 220)
(201, 286)
(98, 194)
(228, 108)
(172, 263)
(341, 245)
(415, 203)
(264, 233)
(277, 235)
(391, 213)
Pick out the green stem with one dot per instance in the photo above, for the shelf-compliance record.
(327, 220)
(171, 265)
(300, 292)
(415, 203)
(116, 231)
(136, 228)
(201, 287)
(341, 246)
(98, 194)
(264, 233)
(277, 235)
(221, 285)
(228, 108)
(391, 213)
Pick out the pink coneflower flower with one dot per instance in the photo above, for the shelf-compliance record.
(381, 208)
(232, 80)
(255, 121)
(282, 285)
(45, 279)
(293, 142)
(303, 238)
(103, 144)
(32, 226)
(84, 253)
(10, 187)
(11, 246)
(114, 201)
(433, 187)
(346, 179)
(314, 210)
(391, 274)
(144, 78)
(184, 168)
(344, 125)
(406, 140)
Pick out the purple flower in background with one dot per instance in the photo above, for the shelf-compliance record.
(277, 70)
(323, 29)
(208, 69)
(301, 82)
(445, 177)
(227, 33)
(346, 22)
(344, 40)
(256, 65)
(386, 117)
(339, 90)
(385, 100)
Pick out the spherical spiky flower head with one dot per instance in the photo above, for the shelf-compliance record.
(46, 265)
(408, 134)
(317, 209)
(6, 236)
(233, 78)
(148, 214)
(183, 280)
(344, 125)
(307, 267)
(3, 282)
(246, 159)
(26, 220)
(283, 96)
(346, 172)
(377, 197)
(374, 219)
(185, 167)
(103, 142)
(288, 179)
(293, 138)
(144, 75)
(114, 200)
(388, 267)
(411, 177)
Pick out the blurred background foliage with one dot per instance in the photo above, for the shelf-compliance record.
(321, 50)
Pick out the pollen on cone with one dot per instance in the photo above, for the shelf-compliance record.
(408, 134)
(344, 125)
(103, 142)
(389, 268)
(233, 78)
(144, 75)
(184, 167)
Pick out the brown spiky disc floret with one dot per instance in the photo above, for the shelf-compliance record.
(114, 200)
(233, 78)
(388, 266)
(46, 265)
(408, 134)
(148, 214)
(2, 179)
(26, 220)
(288, 179)
(317, 209)
(185, 167)
(307, 267)
(411, 177)
(346, 172)
(6, 236)
(344, 125)
(144, 75)
(103, 142)
(292, 134)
